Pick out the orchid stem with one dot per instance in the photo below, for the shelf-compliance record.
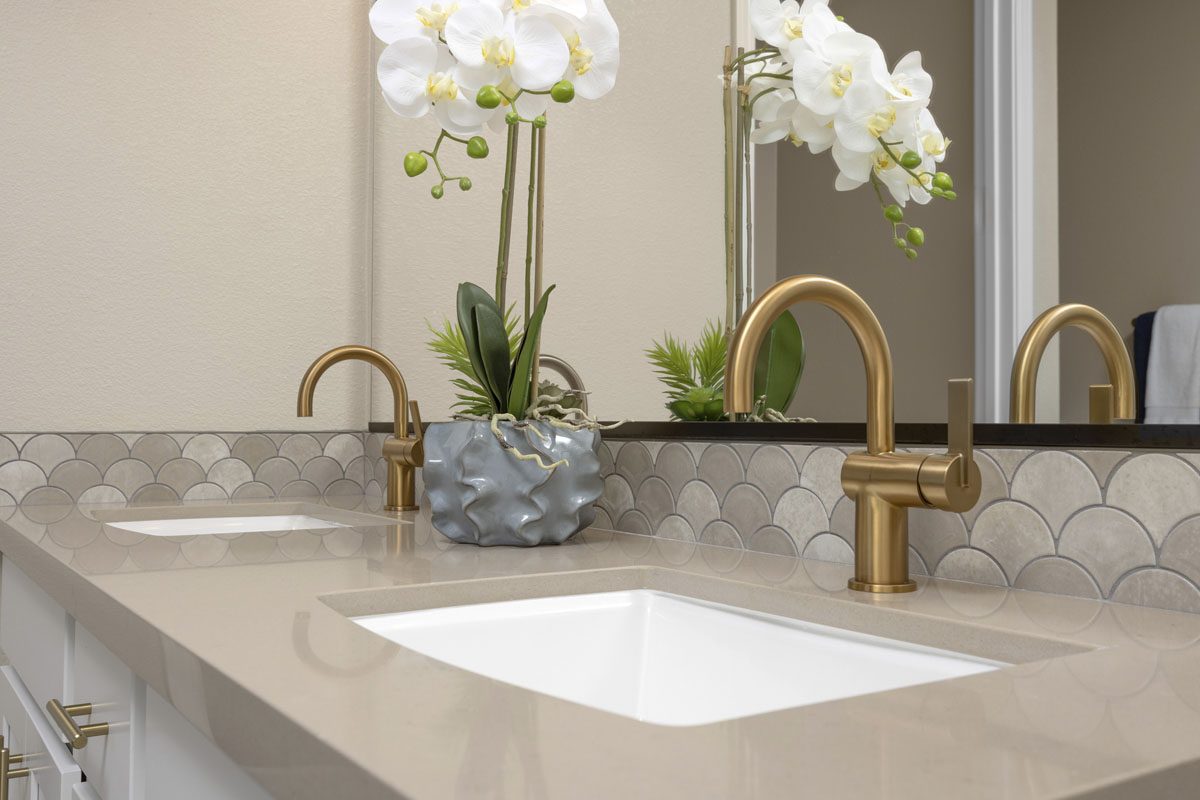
(506, 205)
(533, 161)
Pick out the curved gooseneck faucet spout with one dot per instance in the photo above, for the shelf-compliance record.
(1115, 399)
(884, 484)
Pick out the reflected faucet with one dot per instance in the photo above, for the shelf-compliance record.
(1107, 401)
(884, 484)
(403, 454)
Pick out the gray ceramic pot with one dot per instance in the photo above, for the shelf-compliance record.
(482, 494)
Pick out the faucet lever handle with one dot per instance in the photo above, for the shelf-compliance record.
(414, 413)
(960, 425)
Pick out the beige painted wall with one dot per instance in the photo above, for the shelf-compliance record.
(1128, 228)
(925, 306)
(633, 225)
(183, 209)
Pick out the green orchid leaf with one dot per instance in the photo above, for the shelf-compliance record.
(520, 389)
(469, 298)
(493, 349)
(780, 364)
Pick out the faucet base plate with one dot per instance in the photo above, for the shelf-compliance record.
(881, 588)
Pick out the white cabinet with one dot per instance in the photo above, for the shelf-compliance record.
(53, 774)
(150, 751)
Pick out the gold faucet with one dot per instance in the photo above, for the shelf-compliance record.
(883, 483)
(1106, 401)
(403, 454)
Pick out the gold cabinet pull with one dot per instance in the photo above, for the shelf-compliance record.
(7, 773)
(64, 717)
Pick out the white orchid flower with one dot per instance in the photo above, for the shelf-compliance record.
(417, 75)
(774, 114)
(780, 23)
(573, 10)
(595, 52)
(910, 82)
(930, 137)
(824, 71)
(403, 19)
(870, 111)
(492, 47)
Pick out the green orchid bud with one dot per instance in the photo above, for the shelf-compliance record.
(415, 164)
(437, 192)
(901, 244)
(539, 122)
(894, 213)
(910, 160)
(911, 254)
(512, 118)
(915, 236)
(477, 147)
(950, 195)
(562, 92)
(936, 192)
(464, 184)
(488, 97)
(943, 181)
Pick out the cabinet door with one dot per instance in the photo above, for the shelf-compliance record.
(114, 693)
(184, 764)
(53, 773)
(84, 791)
(36, 634)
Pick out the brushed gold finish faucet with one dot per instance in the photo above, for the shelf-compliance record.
(1115, 399)
(884, 484)
(403, 454)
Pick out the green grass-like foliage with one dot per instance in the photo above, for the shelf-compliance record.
(451, 349)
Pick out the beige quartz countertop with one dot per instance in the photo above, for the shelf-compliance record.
(247, 636)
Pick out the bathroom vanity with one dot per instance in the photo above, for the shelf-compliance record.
(311, 696)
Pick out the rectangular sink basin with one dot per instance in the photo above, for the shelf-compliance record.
(204, 525)
(665, 658)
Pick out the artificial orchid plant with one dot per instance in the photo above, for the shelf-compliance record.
(495, 65)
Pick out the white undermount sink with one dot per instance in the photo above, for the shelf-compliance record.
(665, 658)
(193, 526)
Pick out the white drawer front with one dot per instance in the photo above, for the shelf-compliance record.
(53, 773)
(35, 633)
(115, 695)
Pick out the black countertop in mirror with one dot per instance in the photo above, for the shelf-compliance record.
(1159, 437)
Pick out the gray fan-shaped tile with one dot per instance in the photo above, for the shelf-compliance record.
(772, 470)
(1055, 575)
(74, 531)
(841, 521)
(1013, 534)
(75, 439)
(799, 453)
(8, 450)
(156, 494)
(721, 534)
(344, 448)
(617, 497)
(156, 449)
(654, 500)
(995, 487)
(230, 473)
(801, 514)
(1158, 588)
(322, 471)
(916, 564)
(653, 448)
(8, 504)
(1181, 550)
(46, 495)
(604, 453)
(206, 449)
(773, 540)
(1102, 462)
(1108, 543)
(1008, 459)
(277, 472)
(204, 551)
(206, 492)
(634, 521)
(676, 527)
(698, 505)
(21, 477)
(1158, 490)
(19, 439)
(343, 493)
(254, 449)
(675, 465)
(721, 468)
(343, 542)
(361, 471)
(746, 509)
(970, 565)
(634, 463)
(47, 450)
(299, 489)
(103, 450)
(300, 448)
(253, 491)
(934, 533)
(602, 521)
(102, 494)
(74, 476)
(822, 475)
(180, 474)
(128, 475)
(829, 547)
(1057, 484)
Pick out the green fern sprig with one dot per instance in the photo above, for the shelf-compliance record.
(451, 349)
